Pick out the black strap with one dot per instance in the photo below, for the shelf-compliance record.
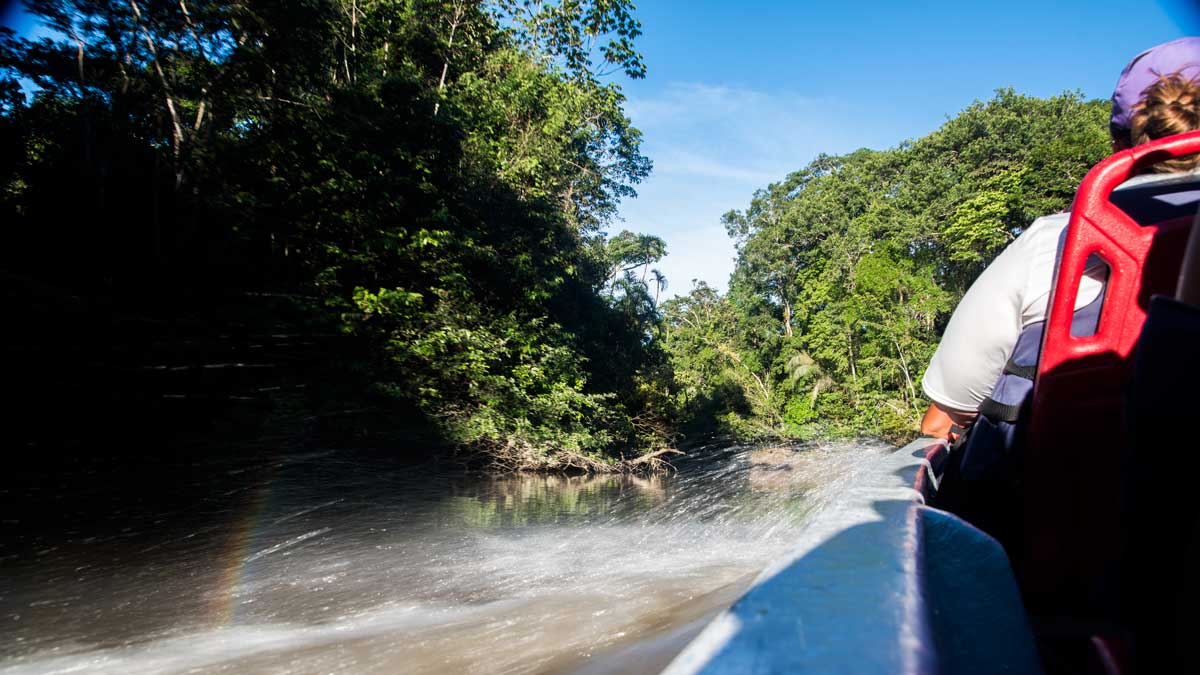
(1000, 412)
(1014, 368)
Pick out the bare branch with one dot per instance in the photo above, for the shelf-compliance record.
(177, 137)
(187, 18)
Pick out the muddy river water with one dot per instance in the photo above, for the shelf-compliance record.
(328, 562)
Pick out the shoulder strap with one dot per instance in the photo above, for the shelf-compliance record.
(1014, 368)
(1000, 412)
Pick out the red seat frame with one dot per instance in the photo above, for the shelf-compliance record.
(1070, 554)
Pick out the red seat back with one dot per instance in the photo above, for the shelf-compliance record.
(1072, 475)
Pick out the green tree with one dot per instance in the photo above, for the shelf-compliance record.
(848, 268)
(429, 178)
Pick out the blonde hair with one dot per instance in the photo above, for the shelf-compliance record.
(1169, 106)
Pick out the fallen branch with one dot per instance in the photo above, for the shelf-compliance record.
(655, 455)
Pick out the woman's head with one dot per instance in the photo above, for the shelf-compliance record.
(1169, 106)
(1156, 85)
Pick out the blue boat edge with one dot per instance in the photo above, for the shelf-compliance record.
(878, 583)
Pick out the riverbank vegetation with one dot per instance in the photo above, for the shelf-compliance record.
(409, 206)
(430, 181)
(848, 269)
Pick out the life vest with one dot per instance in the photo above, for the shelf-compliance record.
(980, 476)
(993, 441)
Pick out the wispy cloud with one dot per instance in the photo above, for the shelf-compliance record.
(689, 163)
(713, 146)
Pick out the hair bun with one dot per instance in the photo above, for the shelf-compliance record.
(1169, 106)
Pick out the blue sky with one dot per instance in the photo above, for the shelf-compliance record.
(740, 93)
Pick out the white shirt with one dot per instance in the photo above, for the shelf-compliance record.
(1012, 293)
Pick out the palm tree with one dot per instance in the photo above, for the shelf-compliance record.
(660, 284)
(801, 368)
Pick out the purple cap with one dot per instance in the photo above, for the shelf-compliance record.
(1178, 56)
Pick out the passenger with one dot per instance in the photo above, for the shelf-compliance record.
(1157, 95)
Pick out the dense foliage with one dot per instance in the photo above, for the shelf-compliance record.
(427, 185)
(429, 178)
(848, 269)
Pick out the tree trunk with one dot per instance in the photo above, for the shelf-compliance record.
(156, 209)
(177, 136)
(203, 106)
(87, 115)
(79, 59)
(353, 38)
(850, 358)
(912, 390)
(459, 9)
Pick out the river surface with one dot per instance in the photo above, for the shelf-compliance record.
(333, 562)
